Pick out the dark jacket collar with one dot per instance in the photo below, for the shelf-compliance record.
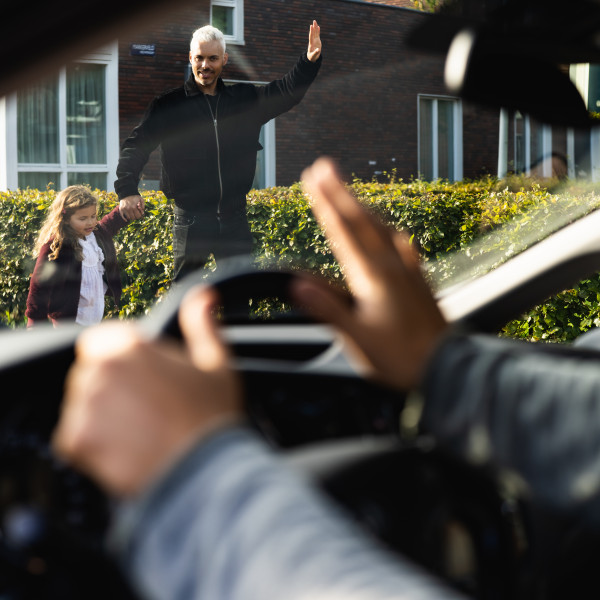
(191, 88)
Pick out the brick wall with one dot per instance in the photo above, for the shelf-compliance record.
(480, 141)
(362, 110)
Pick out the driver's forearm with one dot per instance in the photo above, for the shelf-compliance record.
(533, 408)
(233, 522)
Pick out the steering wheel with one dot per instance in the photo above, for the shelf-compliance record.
(53, 519)
(304, 398)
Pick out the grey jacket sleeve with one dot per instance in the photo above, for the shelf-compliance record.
(534, 408)
(231, 522)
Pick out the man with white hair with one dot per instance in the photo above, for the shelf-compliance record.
(208, 133)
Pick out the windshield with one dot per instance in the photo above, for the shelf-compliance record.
(202, 147)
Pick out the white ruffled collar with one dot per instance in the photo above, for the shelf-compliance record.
(92, 253)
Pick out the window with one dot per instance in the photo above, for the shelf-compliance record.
(584, 147)
(228, 16)
(440, 138)
(522, 149)
(64, 130)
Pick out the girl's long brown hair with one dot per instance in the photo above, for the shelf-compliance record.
(56, 228)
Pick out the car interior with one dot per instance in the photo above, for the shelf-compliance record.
(476, 527)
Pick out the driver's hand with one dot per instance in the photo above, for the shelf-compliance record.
(394, 324)
(133, 406)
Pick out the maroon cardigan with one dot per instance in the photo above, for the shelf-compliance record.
(55, 285)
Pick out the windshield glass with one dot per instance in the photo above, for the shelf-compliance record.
(202, 147)
(511, 220)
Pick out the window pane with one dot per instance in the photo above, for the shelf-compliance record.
(39, 181)
(519, 143)
(86, 114)
(537, 147)
(582, 158)
(94, 180)
(222, 18)
(37, 124)
(445, 139)
(426, 139)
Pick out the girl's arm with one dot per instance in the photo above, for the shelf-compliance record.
(38, 299)
(112, 222)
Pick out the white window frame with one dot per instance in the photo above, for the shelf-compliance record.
(238, 19)
(7, 145)
(457, 138)
(546, 148)
(526, 140)
(546, 134)
(270, 153)
(9, 175)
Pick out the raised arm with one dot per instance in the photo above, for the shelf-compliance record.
(283, 94)
(134, 155)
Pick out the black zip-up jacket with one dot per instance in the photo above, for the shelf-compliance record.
(209, 155)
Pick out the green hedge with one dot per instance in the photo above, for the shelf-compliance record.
(442, 219)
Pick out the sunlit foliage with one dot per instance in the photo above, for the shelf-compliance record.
(442, 219)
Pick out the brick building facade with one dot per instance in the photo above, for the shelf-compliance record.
(364, 107)
(377, 105)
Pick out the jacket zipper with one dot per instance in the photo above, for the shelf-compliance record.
(214, 119)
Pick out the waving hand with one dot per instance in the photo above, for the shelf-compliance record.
(314, 42)
(394, 324)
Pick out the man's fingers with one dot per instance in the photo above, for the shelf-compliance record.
(132, 207)
(200, 329)
(314, 32)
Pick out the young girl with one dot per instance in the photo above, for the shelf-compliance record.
(76, 261)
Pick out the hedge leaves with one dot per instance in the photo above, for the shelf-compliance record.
(442, 219)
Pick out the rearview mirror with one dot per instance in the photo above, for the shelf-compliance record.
(483, 72)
